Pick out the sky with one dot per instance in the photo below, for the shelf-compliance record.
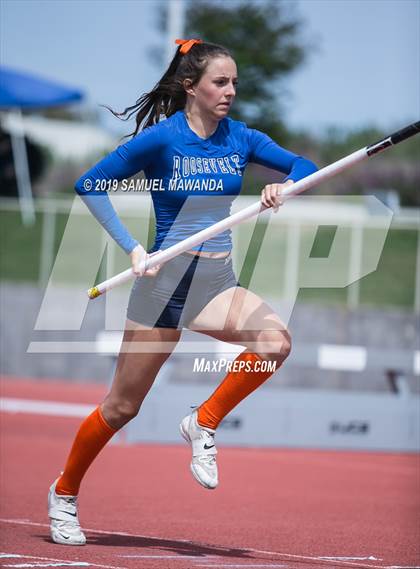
(364, 68)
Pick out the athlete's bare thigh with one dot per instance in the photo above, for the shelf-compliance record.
(238, 316)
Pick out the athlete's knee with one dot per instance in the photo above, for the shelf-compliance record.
(118, 411)
(276, 345)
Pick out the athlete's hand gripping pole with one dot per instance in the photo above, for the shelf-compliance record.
(297, 188)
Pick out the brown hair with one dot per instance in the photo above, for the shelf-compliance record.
(168, 96)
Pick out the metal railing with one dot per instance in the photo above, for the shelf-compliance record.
(297, 215)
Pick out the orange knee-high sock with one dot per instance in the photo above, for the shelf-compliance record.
(245, 377)
(93, 434)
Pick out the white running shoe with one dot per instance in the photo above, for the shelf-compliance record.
(203, 464)
(64, 526)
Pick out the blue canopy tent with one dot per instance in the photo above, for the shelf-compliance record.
(19, 90)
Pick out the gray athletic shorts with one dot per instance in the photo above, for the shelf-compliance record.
(181, 289)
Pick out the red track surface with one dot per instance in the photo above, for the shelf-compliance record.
(273, 508)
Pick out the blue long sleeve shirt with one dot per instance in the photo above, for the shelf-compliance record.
(196, 179)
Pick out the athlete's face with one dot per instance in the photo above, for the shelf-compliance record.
(216, 90)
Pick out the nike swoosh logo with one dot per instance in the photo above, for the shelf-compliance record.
(69, 513)
(64, 536)
(206, 446)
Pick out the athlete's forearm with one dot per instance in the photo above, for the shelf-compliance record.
(301, 168)
(102, 209)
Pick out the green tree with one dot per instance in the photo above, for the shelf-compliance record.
(395, 169)
(264, 38)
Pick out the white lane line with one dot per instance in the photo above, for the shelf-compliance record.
(51, 408)
(104, 532)
(49, 559)
(59, 564)
(180, 556)
(370, 558)
(306, 557)
(221, 547)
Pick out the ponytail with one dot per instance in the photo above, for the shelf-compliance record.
(168, 96)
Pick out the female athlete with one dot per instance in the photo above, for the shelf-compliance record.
(199, 155)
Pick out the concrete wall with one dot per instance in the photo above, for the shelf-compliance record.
(385, 329)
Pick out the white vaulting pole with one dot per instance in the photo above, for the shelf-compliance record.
(297, 188)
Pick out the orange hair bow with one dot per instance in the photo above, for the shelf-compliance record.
(187, 44)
